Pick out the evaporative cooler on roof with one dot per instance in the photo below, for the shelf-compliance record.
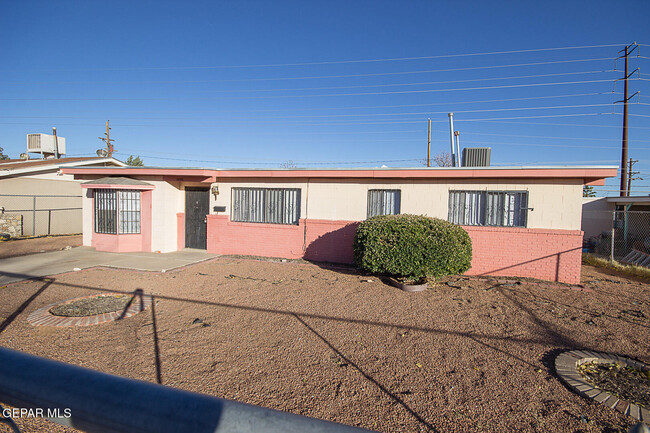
(476, 156)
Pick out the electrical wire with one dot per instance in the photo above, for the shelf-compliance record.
(320, 116)
(326, 76)
(341, 123)
(318, 95)
(554, 137)
(394, 106)
(395, 59)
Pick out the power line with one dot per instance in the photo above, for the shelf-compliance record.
(332, 76)
(318, 95)
(395, 59)
(555, 137)
(562, 124)
(340, 123)
(381, 106)
(322, 115)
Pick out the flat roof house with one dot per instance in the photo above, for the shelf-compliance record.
(523, 221)
(37, 199)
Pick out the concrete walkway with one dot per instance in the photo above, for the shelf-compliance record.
(40, 265)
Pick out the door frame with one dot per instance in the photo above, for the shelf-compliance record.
(188, 221)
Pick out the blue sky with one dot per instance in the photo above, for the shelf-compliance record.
(326, 84)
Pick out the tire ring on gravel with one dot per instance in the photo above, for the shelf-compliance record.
(566, 366)
(43, 317)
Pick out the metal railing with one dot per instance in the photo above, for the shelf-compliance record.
(98, 402)
(43, 214)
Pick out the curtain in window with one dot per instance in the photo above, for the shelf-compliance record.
(383, 202)
(467, 207)
(266, 205)
(491, 208)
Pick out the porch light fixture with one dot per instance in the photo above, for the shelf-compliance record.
(215, 191)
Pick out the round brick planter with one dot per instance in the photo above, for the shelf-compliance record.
(566, 365)
(43, 317)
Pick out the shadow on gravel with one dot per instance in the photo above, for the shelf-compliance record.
(547, 335)
(12, 316)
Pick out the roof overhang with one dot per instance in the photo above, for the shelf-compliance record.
(117, 183)
(629, 200)
(58, 167)
(588, 175)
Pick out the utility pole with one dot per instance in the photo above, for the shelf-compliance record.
(624, 176)
(108, 141)
(630, 175)
(429, 147)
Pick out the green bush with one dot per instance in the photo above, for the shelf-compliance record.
(412, 247)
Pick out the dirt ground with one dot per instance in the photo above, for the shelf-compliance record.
(466, 355)
(22, 247)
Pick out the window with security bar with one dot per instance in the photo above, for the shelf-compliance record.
(117, 211)
(489, 208)
(383, 202)
(266, 205)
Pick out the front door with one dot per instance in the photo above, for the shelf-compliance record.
(197, 207)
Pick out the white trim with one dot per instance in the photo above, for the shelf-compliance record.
(57, 167)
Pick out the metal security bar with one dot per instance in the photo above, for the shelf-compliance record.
(384, 202)
(117, 211)
(97, 402)
(105, 211)
(266, 205)
(489, 208)
(129, 211)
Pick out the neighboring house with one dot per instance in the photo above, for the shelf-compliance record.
(36, 198)
(522, 221)
(629, 215)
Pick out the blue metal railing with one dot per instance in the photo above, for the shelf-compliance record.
(103, 403)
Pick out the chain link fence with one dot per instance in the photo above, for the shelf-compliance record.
(622, 235)
(39, 215)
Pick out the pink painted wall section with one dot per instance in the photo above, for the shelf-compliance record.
(554, 255)
(127, 243)
(254, 239)
(145, 220)
(180, 230)
(117, 243)
(330, 241)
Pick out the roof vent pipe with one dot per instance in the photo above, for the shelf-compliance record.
(458, 162)
(451, 137)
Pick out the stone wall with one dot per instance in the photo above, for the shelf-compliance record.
(11, 225)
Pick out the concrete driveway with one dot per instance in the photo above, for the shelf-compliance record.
(40, 265)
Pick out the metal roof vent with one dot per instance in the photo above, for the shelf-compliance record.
(476, 156)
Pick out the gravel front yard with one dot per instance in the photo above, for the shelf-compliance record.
(21, 247)
(467, 355)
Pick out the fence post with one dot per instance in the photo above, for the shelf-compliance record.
(49, 221)
(611, 250)
(34, 218)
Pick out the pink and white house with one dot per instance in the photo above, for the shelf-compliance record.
(523, 221)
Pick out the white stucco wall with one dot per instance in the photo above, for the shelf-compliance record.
(596, 216)
(555, 203)
(166, 201)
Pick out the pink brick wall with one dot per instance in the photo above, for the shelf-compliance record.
(554, 255)
(254, 239)
(537, 253)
